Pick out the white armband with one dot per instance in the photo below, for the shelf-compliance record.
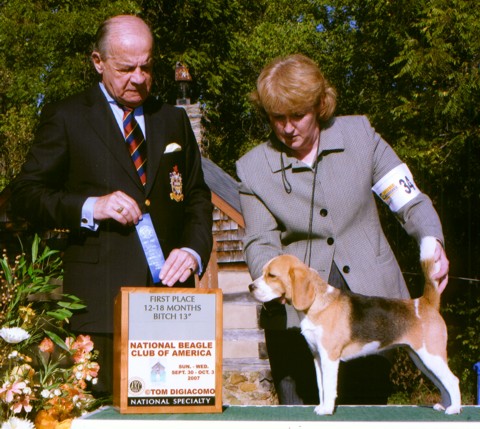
(396, 188)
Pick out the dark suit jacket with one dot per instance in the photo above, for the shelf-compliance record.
(79, 151)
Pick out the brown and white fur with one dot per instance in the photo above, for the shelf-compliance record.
(340, 325)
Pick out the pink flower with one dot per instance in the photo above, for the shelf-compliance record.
(83, 343)
(46, 345)
(82, 346)
(24, 403)
(10, 390)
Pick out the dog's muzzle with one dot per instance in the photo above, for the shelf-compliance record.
(251, 287)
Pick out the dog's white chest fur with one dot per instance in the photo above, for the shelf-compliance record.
(313, 333)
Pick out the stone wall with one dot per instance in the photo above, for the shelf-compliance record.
(194, 112)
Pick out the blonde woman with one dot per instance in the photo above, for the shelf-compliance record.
(310, 191)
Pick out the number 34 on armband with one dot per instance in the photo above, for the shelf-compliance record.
(408, 185)
(396, 188)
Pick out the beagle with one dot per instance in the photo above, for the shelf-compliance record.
(340, 325)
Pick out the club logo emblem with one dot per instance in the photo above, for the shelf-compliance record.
(176, 184)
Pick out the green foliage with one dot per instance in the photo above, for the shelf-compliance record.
(204, 35)
(463, 316)
(28, 284)
(16, 132)
(410, 386)
(44, 56)
(34, 377)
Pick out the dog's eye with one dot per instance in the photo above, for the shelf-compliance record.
(271, 275)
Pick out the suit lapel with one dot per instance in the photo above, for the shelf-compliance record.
(156, 139)
(331, 138)
(100, 117)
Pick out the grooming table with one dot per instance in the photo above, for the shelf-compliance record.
(285, 417)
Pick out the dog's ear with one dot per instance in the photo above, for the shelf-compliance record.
(303, 292)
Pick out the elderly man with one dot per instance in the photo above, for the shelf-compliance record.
(110, 159)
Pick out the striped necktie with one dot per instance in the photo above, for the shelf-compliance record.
(136, 143)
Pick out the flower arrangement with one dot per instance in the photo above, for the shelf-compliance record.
(44, 369)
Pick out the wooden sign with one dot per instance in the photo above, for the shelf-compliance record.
(168, 350)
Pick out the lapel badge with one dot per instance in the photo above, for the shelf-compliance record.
(176, 184)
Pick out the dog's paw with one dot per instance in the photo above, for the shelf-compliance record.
(453, 409)
(324, 410)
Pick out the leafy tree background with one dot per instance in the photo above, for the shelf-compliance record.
(412, 66)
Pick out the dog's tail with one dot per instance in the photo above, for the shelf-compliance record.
(429, 267)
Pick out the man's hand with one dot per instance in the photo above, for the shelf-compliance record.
(118, 206)
(441, 276)
(179, 266)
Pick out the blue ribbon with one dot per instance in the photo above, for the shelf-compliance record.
(151, 246)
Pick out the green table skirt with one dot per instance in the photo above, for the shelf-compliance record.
(252, 417)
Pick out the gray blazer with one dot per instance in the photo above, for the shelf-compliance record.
(345, 222)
